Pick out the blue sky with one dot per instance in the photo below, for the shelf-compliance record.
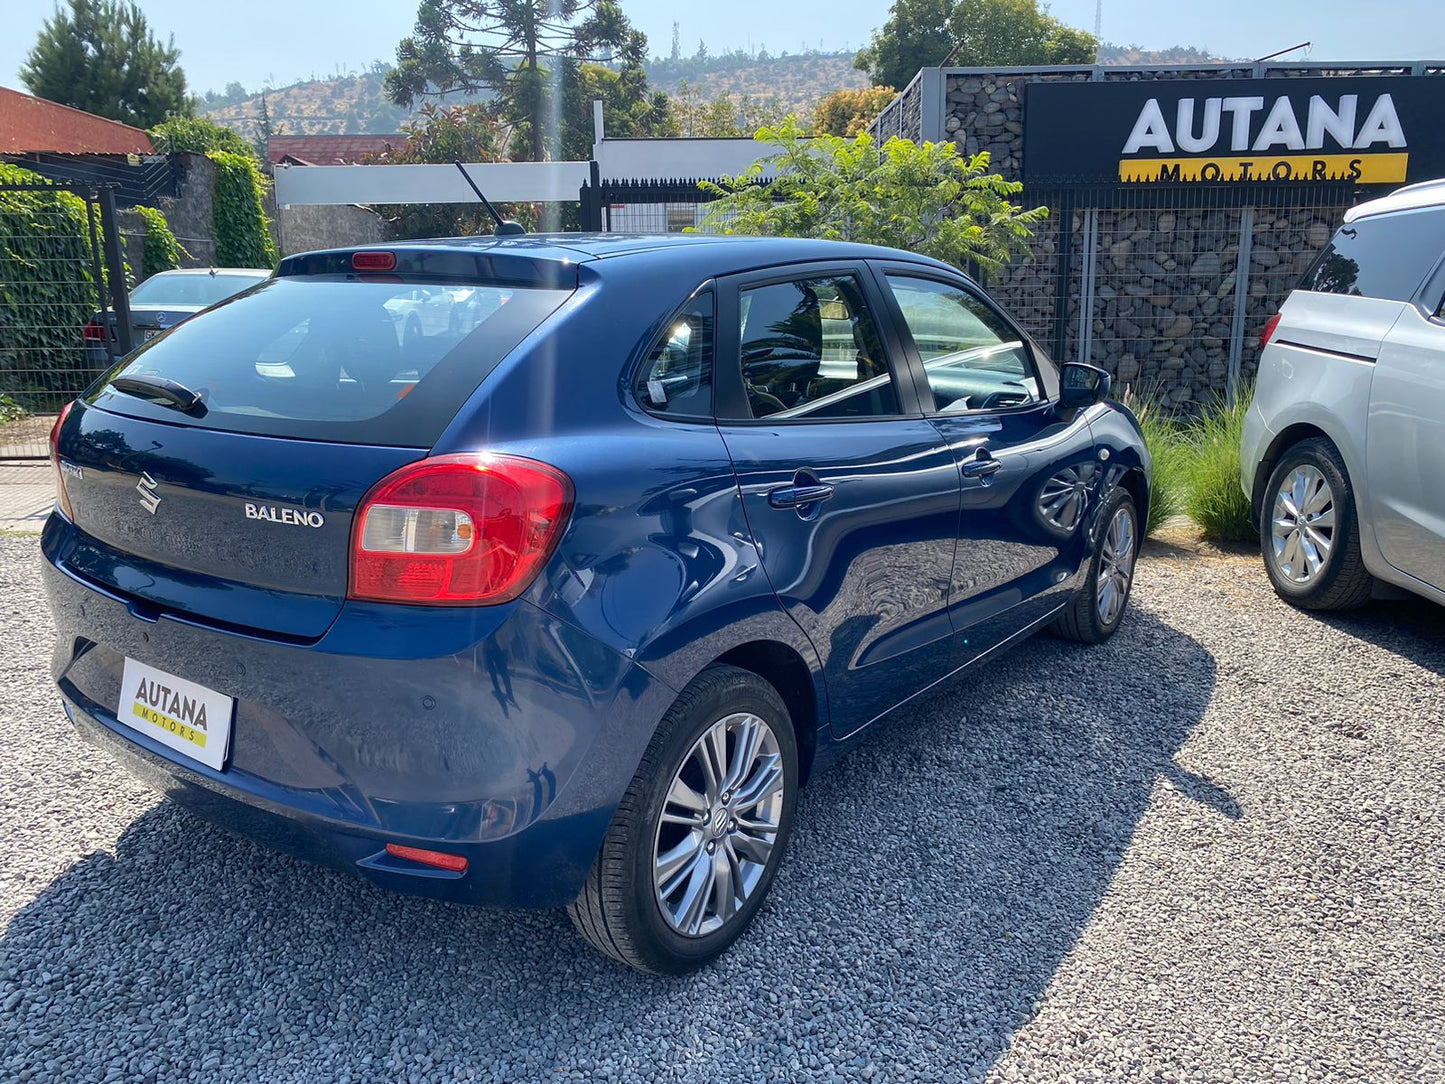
(286, 40)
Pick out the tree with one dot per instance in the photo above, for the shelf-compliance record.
(923, 198)
(977, 33)
(676, 42)
(848, 112)
(696, 116)
(462, 133)
(265, 129)
(100, 56)
(523, 51)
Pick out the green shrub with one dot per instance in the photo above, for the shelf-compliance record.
(198, 136)
(47, 293)
(161, 251)
(1215, 500)
(10, 410)
(243, 238)
(1169, 448)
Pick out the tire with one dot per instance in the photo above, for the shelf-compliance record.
(1323, 569)
(622, 910)
(1094, 615)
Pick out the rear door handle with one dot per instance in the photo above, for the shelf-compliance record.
(981, 467)
(797, 496)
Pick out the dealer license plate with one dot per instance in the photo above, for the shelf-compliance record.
(191, 719)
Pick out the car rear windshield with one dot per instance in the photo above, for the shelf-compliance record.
(328, 358)
(1384, 256)
(191, 289)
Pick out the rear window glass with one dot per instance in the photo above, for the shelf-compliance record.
(1386, 256)
(360, 362)
(191, 289)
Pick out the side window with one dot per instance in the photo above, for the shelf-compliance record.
(974, 359)
(811, 349)
(676, 378)
(1386, 256)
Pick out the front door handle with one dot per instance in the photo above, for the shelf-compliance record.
(980, 467)
(798, 496)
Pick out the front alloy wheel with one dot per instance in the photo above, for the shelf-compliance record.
(1098, 608)
(698, 836)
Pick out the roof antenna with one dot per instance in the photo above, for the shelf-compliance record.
(505, 226)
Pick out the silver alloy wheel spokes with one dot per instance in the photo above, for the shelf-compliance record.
(1302, 527)
(1116, 566)
(719, 823)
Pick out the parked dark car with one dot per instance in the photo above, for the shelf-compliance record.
(163, 301)
(563, 608)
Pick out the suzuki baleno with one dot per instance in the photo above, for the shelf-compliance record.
(555, 595)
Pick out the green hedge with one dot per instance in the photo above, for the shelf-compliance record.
(47, 293)
(161, 251)
(243, 238)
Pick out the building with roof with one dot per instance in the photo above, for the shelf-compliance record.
(329, 150)
(30, 125)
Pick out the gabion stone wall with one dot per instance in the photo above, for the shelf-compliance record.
(1164, 264)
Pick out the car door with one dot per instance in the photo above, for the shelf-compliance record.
(850, 494)
(1404, 437)
(1030, 474)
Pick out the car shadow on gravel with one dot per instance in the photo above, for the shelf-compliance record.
(1411, 628)
(939, 875)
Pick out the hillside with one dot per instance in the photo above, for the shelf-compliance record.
(356, 103)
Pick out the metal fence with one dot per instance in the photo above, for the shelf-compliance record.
(1166, 286)
(64, 316)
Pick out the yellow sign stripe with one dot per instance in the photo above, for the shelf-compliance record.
(1361, 168)
(169, 725)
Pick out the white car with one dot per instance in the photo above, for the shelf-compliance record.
(1343, 456)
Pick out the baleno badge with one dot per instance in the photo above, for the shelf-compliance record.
(298, 517)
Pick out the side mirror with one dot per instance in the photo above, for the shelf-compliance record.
(1083, 385)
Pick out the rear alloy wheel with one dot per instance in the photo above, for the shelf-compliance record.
(1099, 606)
(699, 834)
(1308, 534)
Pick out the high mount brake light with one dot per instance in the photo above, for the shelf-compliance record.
(458, 530)
(61, 497)
(373, 261)
(1270, 326)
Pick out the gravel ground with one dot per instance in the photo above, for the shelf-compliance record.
(1210, 850)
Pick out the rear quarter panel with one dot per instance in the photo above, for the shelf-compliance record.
(1316, 374)
(657, 562)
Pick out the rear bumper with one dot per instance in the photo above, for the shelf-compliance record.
(500, 734)
(1256, 441)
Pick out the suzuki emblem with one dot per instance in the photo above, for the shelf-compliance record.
(146, 487)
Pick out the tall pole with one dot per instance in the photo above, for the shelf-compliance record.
(1099, 20)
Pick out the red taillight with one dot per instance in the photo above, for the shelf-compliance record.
(373, 261)
(440, 859)
(94, 332)
(1269, 328)
(61, 497)
(458, 530)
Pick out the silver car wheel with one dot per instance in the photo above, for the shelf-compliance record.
(1302, 526)
(719, 822)
(1116, 566)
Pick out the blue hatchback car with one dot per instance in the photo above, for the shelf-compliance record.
(543, 571)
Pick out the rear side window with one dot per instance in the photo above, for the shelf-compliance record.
(321, 358)
(676, 378)
(1385, 257)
